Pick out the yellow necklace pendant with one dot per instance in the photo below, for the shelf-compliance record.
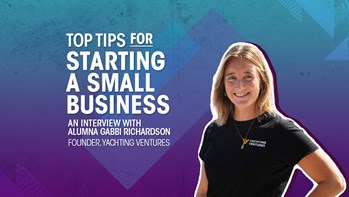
(244, 141)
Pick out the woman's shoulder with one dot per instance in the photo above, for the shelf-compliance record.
(212, 127)
(277, 120)
(282, 123)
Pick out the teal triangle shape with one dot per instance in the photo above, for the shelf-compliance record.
(323, 12)
(341, 52)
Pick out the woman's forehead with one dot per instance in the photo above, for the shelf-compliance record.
(240, 66)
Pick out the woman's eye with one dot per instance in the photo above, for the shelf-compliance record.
(249, 77)
(231, 78)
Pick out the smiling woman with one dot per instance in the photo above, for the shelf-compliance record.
(250, 148)
(241, 82)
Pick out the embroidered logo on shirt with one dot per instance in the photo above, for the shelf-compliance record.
(257, 143)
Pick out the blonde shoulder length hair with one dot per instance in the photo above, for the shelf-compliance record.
(221, 106)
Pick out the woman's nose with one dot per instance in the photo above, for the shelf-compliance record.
(240, 83)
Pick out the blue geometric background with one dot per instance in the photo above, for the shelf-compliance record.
(307, 43)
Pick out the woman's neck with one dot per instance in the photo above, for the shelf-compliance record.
(243, 115)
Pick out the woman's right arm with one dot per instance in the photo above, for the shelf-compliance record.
(201, 188)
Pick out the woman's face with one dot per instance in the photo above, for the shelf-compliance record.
(241, 82)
